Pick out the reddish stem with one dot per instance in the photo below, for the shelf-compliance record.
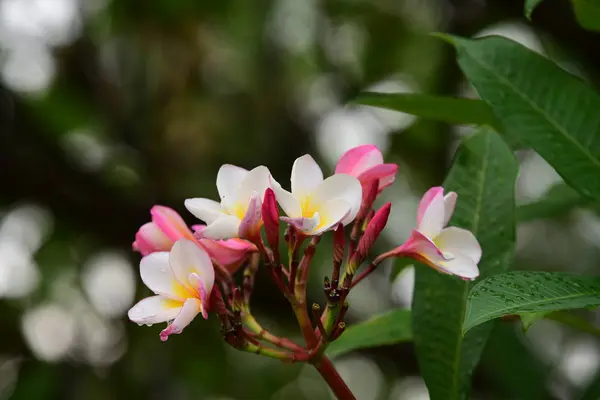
(333, 379)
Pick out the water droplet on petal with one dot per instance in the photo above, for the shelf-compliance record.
(447, 255)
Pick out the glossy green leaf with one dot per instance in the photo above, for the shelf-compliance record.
(483, 175)
(453, 110)
(540, 106)
(530, 5)
(385, 329)
(529, 292)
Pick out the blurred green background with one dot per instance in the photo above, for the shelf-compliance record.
(108, 107)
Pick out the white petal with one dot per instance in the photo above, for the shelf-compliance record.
(432, 221)
(158, 276)
(154, 309)
(339, 186)
(449, 204)
(188, 312)
(226, 227)
(187, 258)
(456, 240)
(460, 265)
(306, 176)
(204, 209)
(331, 214)
(288, 202)
(256, 181)
(229, 181)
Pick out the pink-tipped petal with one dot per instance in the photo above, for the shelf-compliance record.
(456, 240)
(202, 293)
(154, 310)
(188, 312)
(250, 224)
(150, 239)
(422, 249)
(358, 159)
(170, 222)
(188, 258)
(449, 205)
(384, 174)
(431, 212)
(158, 276)
(229, 253)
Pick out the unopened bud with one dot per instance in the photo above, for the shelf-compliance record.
(372, 232)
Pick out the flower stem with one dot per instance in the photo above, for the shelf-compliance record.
(333, 379)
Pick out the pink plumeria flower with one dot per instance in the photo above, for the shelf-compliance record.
(366, 163)
(316, 205)
(182, 281)
(166, 228)
(229, 253)
(450, 250)
(239, 212)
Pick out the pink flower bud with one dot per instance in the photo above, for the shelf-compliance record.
(373, 230)
(230, 253)
(166, 228)
(366, 163)
(270, 215)
(150, 239)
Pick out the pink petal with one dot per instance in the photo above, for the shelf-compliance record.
(170, 222)
(270, 216)
(229, 253)
(385, 174)
(250, 224)
(149, 238)
(373, 230)
(431, 212)
(423, 249)
(188, 312)
(359, 159)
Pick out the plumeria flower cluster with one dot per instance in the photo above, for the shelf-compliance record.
(191, 270)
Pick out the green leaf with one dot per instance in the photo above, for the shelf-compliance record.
(529, 292)
(592, 392)
(539, 105)
(530, 5)
(447, 109)
(483, 175)
(587, 13)
(385, 329)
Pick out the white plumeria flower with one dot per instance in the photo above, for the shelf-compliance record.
(450, 250)
(316, 205)
(182, 281)
(239, 212)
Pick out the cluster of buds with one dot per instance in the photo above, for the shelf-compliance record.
(193, 271)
